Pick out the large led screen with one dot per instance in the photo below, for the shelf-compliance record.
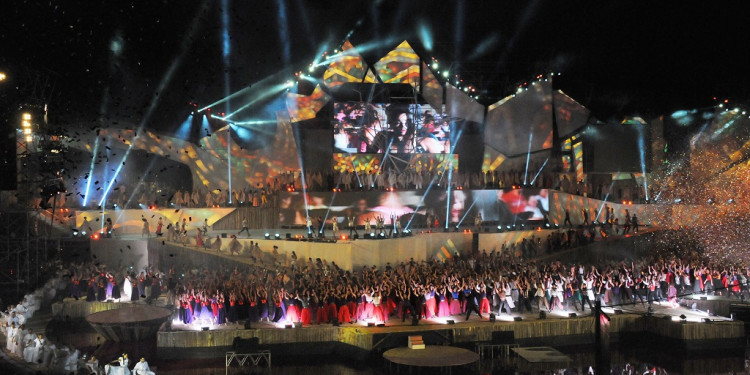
(368, 128)
(413, 208)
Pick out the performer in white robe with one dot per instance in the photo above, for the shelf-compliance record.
(71, 362)
(10, 334)
(33, 353)
(127, 289)
(121, 370)
(141, 368)
(93, 366)
(18, 342)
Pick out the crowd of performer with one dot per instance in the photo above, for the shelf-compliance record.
(35, 348)
(316, 292)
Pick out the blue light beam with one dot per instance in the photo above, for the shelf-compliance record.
(91, 172)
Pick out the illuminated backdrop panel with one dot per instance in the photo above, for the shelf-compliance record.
(512, 206)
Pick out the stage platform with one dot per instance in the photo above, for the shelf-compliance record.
(558, 328)
(131, 323)
(555, 330)
(431, 356)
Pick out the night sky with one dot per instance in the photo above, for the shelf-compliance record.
(109, 60)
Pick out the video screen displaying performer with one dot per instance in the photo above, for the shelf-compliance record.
(367, 128)
(500, 206)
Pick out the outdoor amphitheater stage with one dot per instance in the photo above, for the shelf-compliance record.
(698, 332)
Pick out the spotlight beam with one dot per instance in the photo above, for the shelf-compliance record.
(283, 24)
(448, 198)
(265, 94)
(466, 213)
(224, 99)
(140, 182)
(189, 37)
(528, 158)
(598, 214)
(91, 172)
(421, 202)
(539, 171)
(265, 82)
(642, 154)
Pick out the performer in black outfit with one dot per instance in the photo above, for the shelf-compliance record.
(472, 302)
(352, 223)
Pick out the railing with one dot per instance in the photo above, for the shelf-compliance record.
(242, 359)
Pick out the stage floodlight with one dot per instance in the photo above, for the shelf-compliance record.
(492, 318)
(75, 232)
(572, 315)
(204, 328)
(267, 236)
(289, 326)
(276, 236)
(451, 321)
(706, 320)
(542, 314)
(618, 312)
(370, 324)
(517, 318)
